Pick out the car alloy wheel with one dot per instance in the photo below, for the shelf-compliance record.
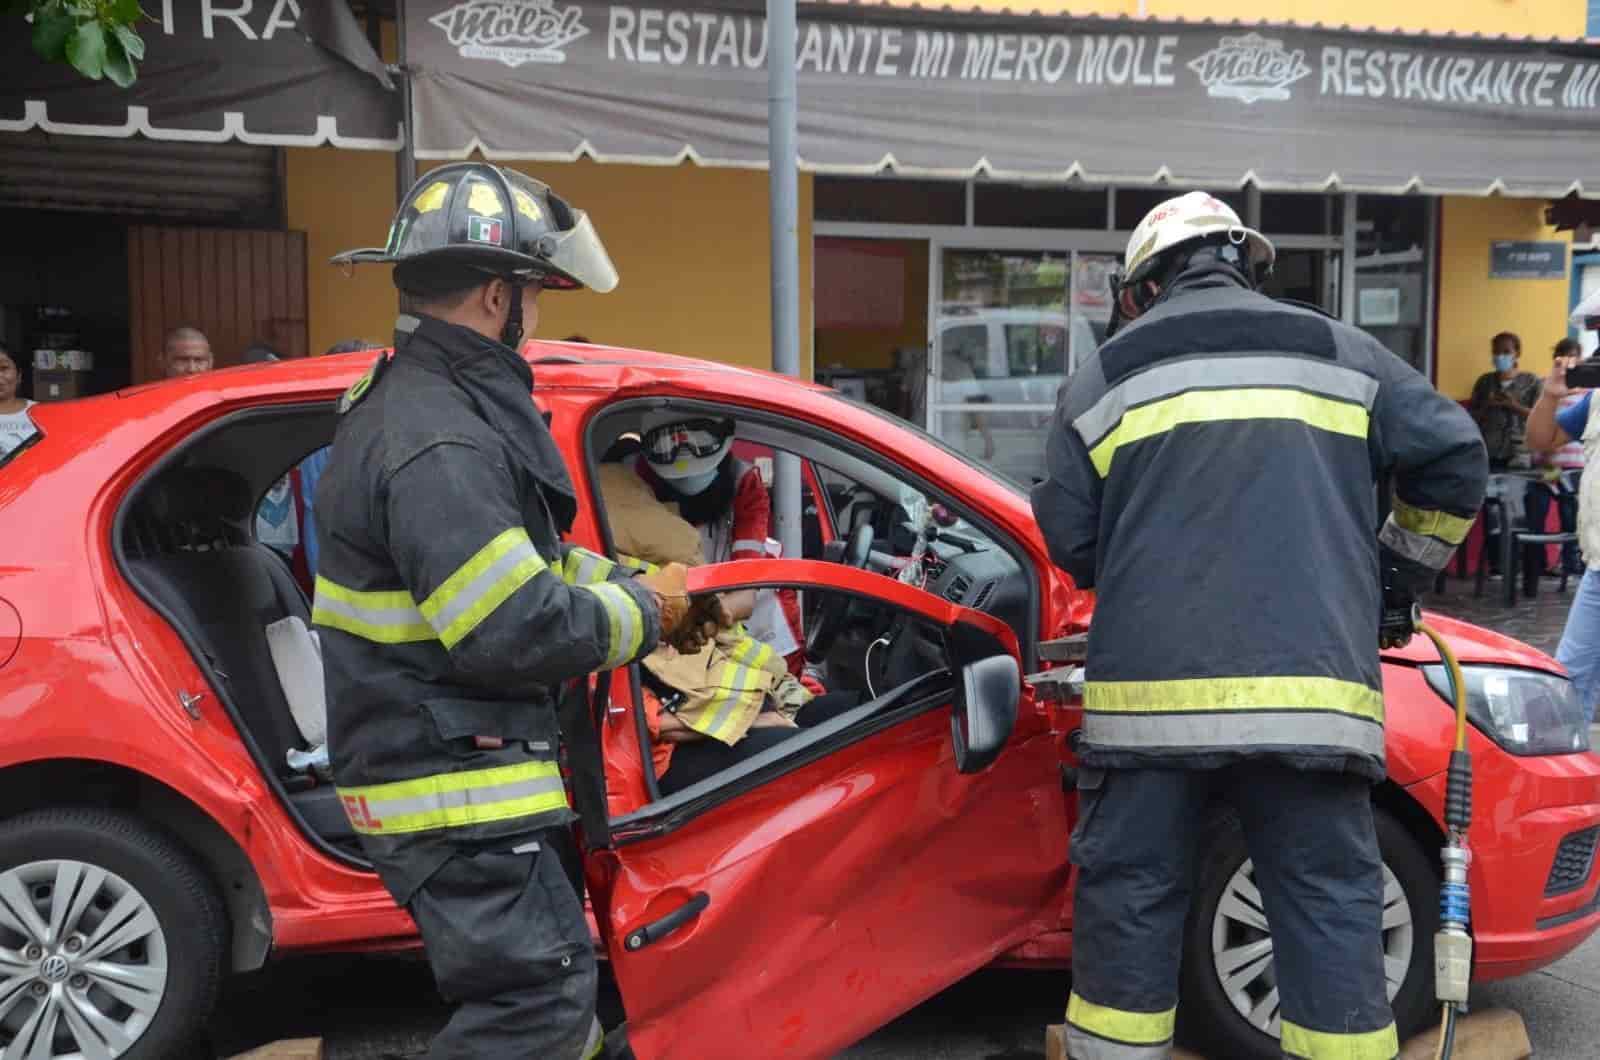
(83, 962)
(1241, 946)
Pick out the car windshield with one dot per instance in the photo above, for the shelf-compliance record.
(905, 425)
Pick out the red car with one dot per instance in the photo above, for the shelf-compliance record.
(155, 836)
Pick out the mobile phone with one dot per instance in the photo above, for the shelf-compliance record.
(1585, 376)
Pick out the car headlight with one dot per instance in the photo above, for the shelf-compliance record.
(1524, 711)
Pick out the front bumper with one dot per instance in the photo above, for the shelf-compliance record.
(1534, 878)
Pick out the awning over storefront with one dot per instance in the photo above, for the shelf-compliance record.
(212, 73)
(937, 93)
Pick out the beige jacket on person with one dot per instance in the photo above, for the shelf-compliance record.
(726, 684)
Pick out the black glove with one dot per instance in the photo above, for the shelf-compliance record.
(1403, 582)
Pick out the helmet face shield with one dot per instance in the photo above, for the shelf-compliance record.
(579, 256)
(498, 222)
(688, 438)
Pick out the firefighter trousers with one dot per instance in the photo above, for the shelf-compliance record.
(505, 934)
(1314, 848)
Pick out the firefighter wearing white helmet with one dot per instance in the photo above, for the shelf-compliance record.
(1550, 427)
(1212, 473)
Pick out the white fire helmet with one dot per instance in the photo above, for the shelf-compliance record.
(1586, 316)
(1183, 219)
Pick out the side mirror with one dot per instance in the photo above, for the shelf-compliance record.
(985, 711)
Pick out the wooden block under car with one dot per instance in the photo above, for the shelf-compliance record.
(1493, 1034)
(289, 1049)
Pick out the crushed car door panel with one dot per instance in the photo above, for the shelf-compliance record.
(814, 906)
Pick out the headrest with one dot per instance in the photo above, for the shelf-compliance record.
(202, 506)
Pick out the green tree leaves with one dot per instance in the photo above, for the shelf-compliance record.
(97, 37)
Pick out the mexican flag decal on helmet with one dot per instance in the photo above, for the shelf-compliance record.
(483, 229)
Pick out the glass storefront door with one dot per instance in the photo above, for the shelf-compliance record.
(1006, 329)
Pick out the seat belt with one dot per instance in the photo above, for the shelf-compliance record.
(580, 736)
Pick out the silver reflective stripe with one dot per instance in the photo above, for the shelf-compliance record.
(731, 693)
(470, 594)
(1081, 1045)
(450, 800)
(1165, 380)
(596, 1042)
(750, 546)
(626, 632)
(591, 568)
(1419, 548)
(376, 616)
(1231, 729)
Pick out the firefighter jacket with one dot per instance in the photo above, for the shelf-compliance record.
(1212, 473)
(448, 609)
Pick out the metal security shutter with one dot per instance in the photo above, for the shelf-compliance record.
(148, 179)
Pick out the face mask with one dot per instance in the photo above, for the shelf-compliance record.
(1504, 362)
(692, 485)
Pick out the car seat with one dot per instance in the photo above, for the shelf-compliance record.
(190, 549)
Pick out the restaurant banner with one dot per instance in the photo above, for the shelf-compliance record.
(939, 93)
(216, 71)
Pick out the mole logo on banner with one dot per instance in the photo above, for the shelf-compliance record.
(1250, 68)
(512, 31)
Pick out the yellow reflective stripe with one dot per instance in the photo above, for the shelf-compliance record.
(635, 563)
(1234, 693)
(453, 800)
(1136, 1028)
(1451, 529)
(482, 584)
(1212, 406)
(624, 620)
(736, 687)
(582, 567)
(1331, 1045)
(752, 652)
(388, 617)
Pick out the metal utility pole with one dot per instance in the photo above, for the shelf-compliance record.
(405, 160)
(783, 170)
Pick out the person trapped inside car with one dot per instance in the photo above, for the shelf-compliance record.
(450, 613)
(1234, 646)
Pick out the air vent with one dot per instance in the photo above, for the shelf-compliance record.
(1574, 859)
(956, 591)
(982, 599)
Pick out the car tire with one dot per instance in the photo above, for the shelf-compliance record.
(1225, 1022)
(137, 958)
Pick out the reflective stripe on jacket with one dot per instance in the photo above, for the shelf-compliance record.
(448, 608)
(1212, 474)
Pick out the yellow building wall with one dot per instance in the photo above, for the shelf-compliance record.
(693, 250)
(340, 200)
(1473, 308)
(1537, 18)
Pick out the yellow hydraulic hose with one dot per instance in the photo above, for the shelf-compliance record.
(1458, 696)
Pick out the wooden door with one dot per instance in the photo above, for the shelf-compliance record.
(237, 286)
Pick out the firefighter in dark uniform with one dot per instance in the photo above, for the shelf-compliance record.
(1212, 474)
(450, 613)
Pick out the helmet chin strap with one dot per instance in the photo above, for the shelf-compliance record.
(511, 333)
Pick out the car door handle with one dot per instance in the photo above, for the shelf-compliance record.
(657, 930)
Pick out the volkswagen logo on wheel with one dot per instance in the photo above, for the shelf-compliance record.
(54, 968)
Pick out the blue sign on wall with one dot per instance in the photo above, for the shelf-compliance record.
(1594, 18)
(1517, 260)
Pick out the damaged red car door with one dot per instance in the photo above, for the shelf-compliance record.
(794, 910)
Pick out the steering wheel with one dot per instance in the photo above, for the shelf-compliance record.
(829, 620)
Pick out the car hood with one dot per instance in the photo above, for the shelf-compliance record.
(1471, 644)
